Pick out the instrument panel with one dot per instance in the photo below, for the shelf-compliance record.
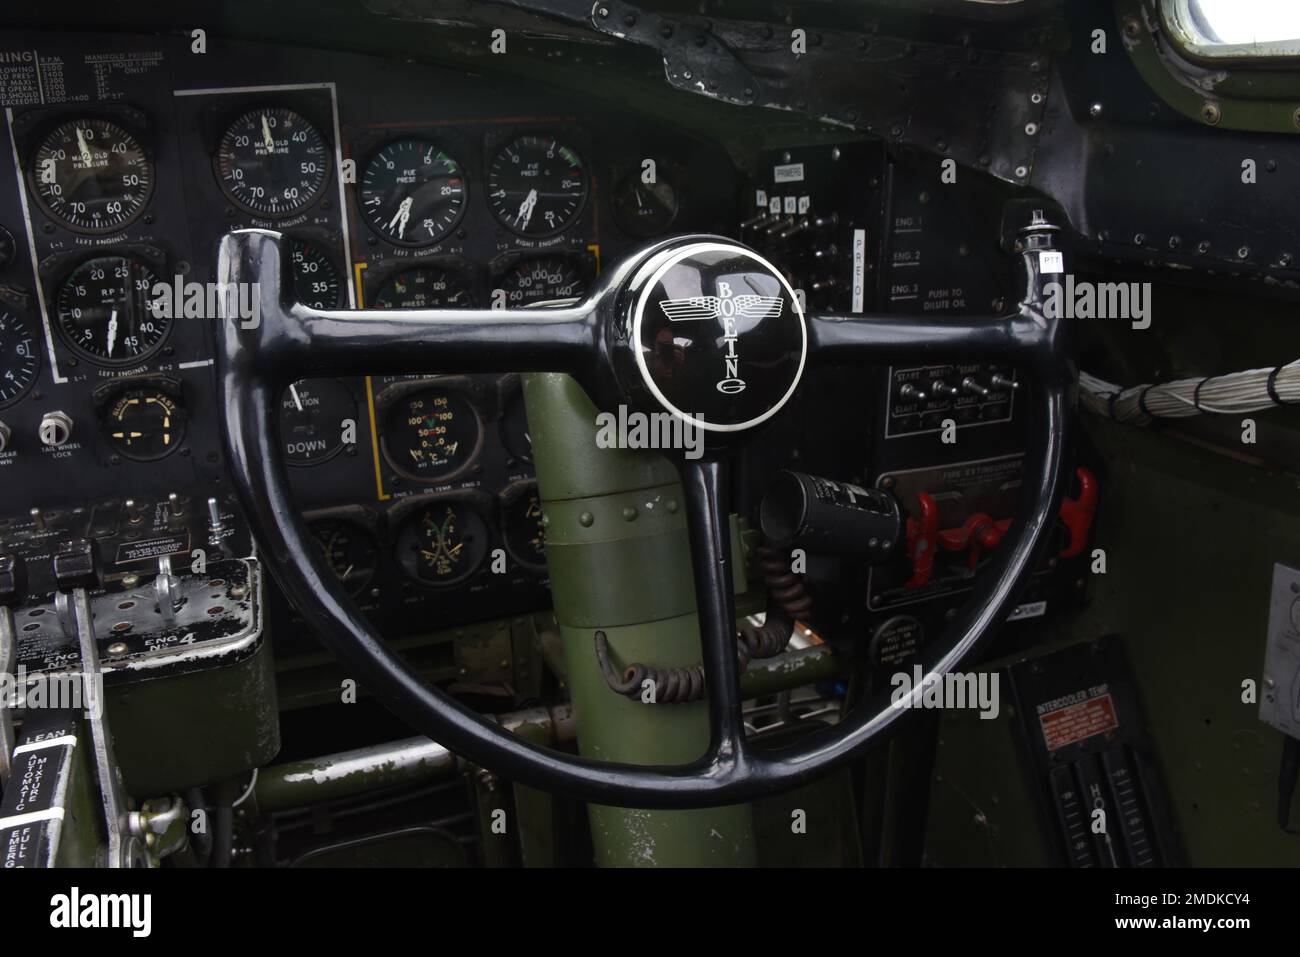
(398, 186)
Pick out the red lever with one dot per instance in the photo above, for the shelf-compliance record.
(923, 540)
(983, 533)
(1077, 513)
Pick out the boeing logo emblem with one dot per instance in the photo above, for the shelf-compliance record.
(726, 307)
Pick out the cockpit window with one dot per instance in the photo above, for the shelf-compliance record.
(1234, 29)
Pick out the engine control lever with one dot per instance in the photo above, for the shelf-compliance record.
(13, 586)
(76, 570)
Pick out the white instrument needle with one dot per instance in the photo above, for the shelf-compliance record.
(293, 391)
(267, 138)
(400, 218)
(526, 209)
(85, 150)
(112, 331)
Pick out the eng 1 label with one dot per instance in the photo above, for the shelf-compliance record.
(788, 173)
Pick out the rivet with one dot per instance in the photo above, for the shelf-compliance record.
(585, 519)
(629, 513)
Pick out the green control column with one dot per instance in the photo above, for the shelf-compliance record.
(620, 561)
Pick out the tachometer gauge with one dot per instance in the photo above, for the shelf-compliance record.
(106, 310)
(424, 287)
(91, 175)
(540, 280)
(19, 360)
(316, 280)
(272, 162)
(144, 424)
(412, 193)
(536, 186)
(443, 543)
(349, 551)
(523, 528)
(644, 209)
(315, 417)
(432, 434)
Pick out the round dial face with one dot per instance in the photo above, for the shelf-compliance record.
(514, 428)
(19, 360)
(412, 193)
(432, 434)
(315, 417)
(524, 530)
(536, 186)
(144, 424)
(349, 551)
(644, 209)
(541, 280)
(92, 175)
(316, 280)
(424, 288)
(272, 162)
(107, 313)
(443, 543)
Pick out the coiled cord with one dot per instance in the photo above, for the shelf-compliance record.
(787, 601)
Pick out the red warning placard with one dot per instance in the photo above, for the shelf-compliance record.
(1075, 722)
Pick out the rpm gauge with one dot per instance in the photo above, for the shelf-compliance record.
(432, 434)
(272, 162)
(536, 185)
(316, 280)
(91, 175)
(424, 287)
(106, 310)
(19, 360)
(541, 280)
(316, 416)
(443, 543)
(412, 193)
(349, 551)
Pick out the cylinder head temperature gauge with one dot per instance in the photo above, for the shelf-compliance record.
(443, 543)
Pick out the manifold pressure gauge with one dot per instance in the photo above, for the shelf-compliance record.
(272, 162)
(91, 175)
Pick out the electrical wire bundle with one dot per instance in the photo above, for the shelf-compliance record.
(1230, 394)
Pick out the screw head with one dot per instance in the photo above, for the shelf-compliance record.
(1211, 112)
